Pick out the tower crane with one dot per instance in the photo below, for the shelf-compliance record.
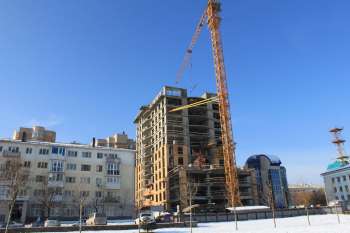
(211, 16)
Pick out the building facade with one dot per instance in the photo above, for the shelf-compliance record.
(36, 133)
(271, 180)
(60, 175)
(337, 176)
(116, 141)
(179, 154)
(337, 182)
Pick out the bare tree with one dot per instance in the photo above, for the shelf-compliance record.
(48, 196)
(305, 199)
(79, 199)
(15, 176)
(271, 202)
(192, 191)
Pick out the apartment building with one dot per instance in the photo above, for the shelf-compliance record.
(61, 175)
(179, 154)
(116, 141)
(36, 133)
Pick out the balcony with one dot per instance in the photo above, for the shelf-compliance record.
(55, 184)
(57, 198)
(111, 200)
(7, 153)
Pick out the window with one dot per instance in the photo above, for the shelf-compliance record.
(342, 197)
(40, 179)
(68, 193)
(112, 179)
(84, 180)
(335, 189)
(216, 115)
(99, 168)
(42, 165)
(338, 179)
(341, 189)
(56, 177)
(0, 148)
(333, 180)
(86, 154)
(44, 151)
(98, 194)
(346, 188)
(180, 161)
(71, 166)
(56, 166)
(344, 178)
(28, 150)
(84, 193)
(221, 162)
(72, 153)
(26, 164)
(14, 149)
(70, 179)
(180, 150)
(58, 150)
(98, 181)
(113, 156)
(112, 169)
(85, 167)
(99, 155)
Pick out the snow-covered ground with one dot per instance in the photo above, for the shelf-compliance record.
(319, 224)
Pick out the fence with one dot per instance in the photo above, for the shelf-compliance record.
(259, 214)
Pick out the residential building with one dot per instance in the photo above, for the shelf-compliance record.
(116, 141)
(271, 180)
(36, 133)
(63, 174)
(179, 154)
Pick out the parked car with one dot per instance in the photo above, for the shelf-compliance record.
(335, 203)
(97, 219)
(52, 222)
(145, 218)
(14, 224)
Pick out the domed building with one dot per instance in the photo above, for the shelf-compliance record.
(337, 176)
(271, 179)
(337, 181)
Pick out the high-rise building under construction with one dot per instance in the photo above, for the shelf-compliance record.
(179, 154)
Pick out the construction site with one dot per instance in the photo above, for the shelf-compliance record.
(185, 149)
(180, 155)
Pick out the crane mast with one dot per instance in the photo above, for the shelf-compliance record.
(213, 21)
(212, 16)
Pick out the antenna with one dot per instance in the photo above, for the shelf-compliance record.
(339, 142)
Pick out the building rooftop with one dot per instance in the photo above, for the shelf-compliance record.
(273, 159)
(72, 145)
(337, 165)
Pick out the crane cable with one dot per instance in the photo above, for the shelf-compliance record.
(195, 104)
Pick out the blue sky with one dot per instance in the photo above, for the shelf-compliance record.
(83, 68)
